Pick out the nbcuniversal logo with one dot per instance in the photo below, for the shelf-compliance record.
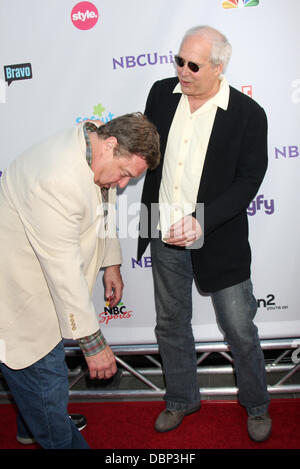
(239, 3)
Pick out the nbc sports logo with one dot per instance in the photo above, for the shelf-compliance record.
(239, 3)
(117, 312)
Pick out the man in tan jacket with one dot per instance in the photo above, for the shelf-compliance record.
(56, 233)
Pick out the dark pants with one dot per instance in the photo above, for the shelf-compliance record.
(41, 395)
(235, 309)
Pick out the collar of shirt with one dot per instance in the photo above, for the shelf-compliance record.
(88, 127)
(220, 99)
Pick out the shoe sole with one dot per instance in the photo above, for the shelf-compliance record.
(25, 441)
(82, 427)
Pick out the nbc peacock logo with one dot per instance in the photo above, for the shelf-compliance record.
(239, 3)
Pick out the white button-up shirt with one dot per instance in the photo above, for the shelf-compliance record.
(185, 155)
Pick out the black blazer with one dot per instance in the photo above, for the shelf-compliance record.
(235, 164)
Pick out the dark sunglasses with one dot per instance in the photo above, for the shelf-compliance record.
(192, 66)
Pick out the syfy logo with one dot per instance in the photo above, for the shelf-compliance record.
(261, 203)
(142, 60)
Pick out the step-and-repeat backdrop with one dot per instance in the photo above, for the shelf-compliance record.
(63, 62)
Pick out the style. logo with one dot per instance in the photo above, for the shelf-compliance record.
(84, 15)
(17, 72)
(239, 3)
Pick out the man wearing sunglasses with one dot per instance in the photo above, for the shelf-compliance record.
(214, 152)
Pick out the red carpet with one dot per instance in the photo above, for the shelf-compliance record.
(129, 425)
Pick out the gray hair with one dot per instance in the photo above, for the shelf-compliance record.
(135, 135)
(221, 48)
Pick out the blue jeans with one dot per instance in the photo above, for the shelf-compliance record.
(41, 394)
(235, 308)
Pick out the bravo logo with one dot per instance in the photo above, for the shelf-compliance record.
(84, 15)
(17, 72)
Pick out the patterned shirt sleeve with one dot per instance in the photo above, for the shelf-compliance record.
(92, 344)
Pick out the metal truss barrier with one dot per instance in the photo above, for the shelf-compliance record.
(287, 363)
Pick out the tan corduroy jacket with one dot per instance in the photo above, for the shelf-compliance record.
(52, 245)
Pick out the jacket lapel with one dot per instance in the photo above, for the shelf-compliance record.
(170, 106)
(217, 145)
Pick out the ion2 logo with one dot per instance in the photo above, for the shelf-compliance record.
(269, 303)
